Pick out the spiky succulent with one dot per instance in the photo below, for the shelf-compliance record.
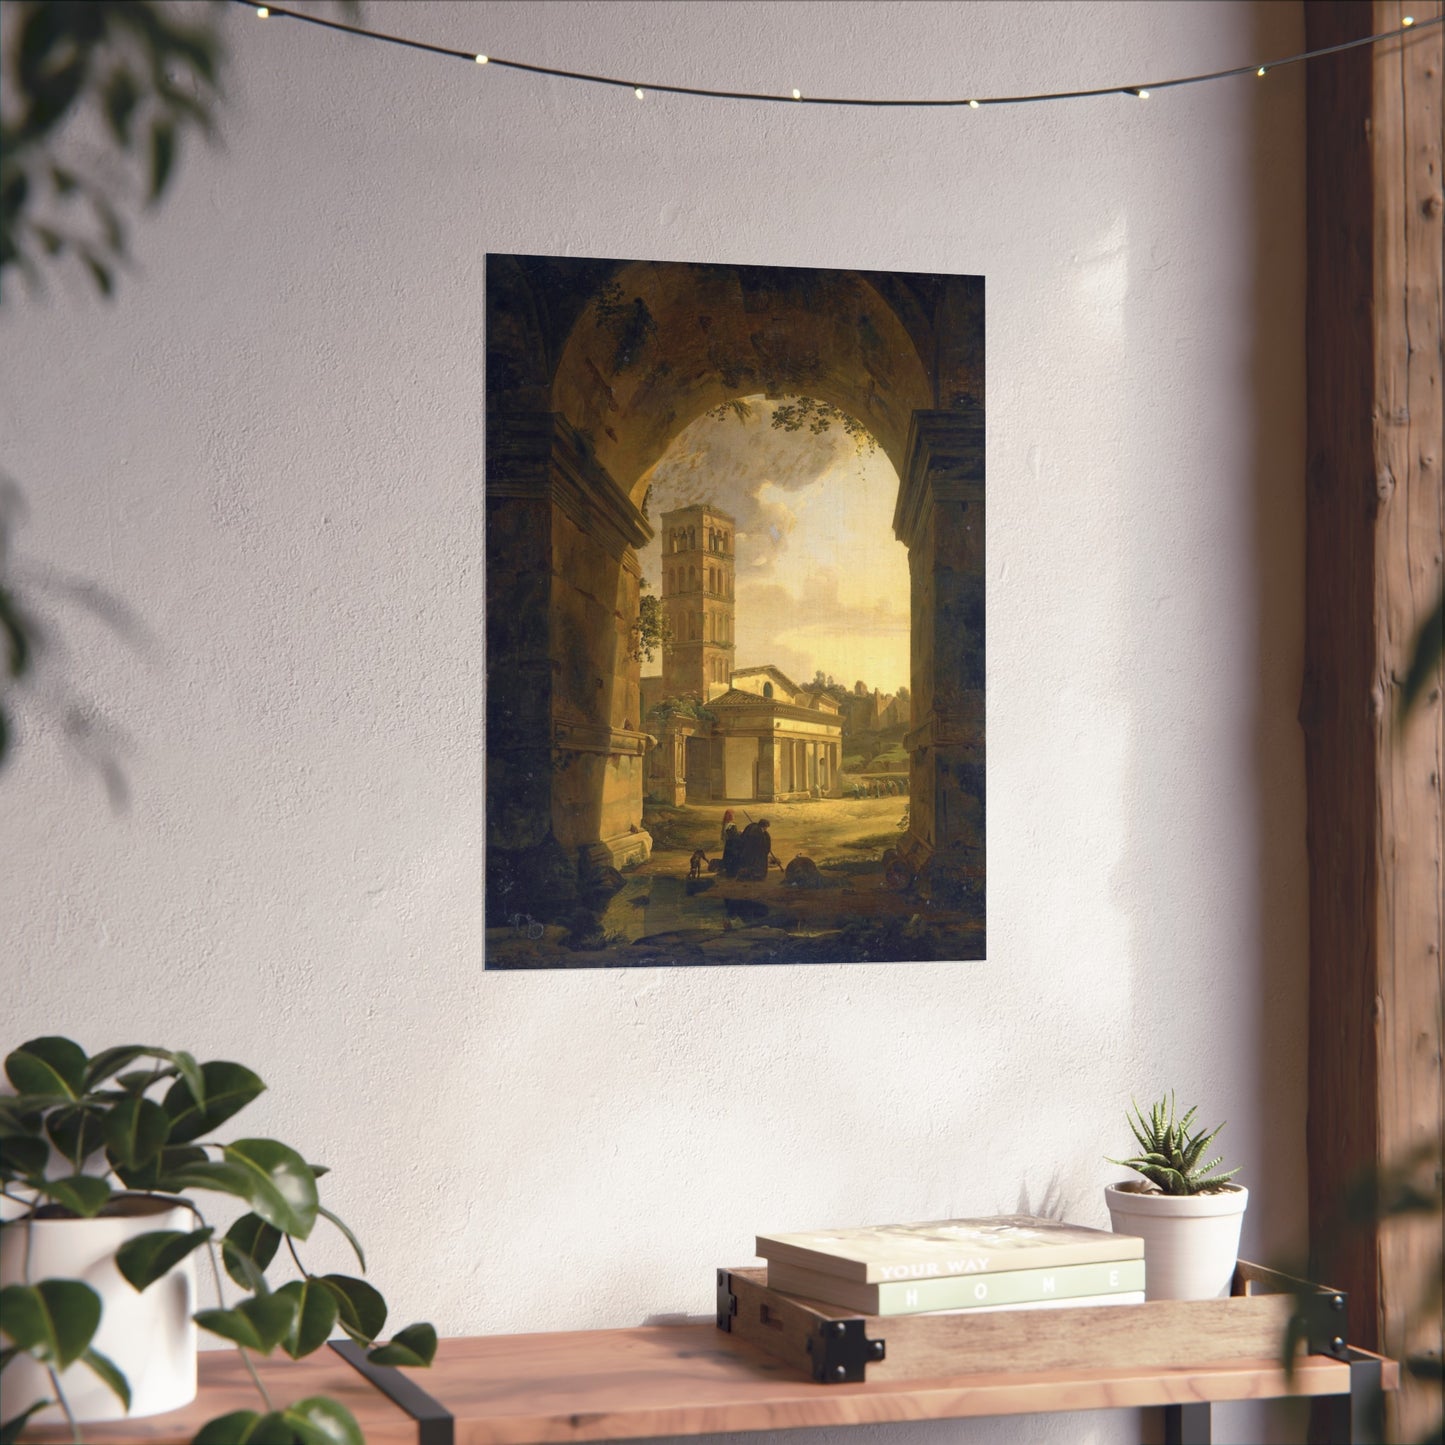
(1169, 1154)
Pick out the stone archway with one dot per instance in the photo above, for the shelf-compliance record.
(593, 367)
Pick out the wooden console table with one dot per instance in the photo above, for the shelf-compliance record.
(694, 1379)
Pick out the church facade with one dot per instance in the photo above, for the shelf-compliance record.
(726, 734)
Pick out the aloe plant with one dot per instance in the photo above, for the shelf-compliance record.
(81, 1131)
(1170, 1154)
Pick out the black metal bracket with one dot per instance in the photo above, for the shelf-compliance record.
(841, 1352)
(1323, 1318)
(1327, 1323)
(434, 1422)
(727, 1301)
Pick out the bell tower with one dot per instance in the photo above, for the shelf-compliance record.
(697, 596)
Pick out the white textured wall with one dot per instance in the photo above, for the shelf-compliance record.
(270, 447)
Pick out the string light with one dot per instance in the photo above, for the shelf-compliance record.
(1141, 91)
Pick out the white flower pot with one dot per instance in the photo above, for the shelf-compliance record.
(149, 1336)
(1191, 1241)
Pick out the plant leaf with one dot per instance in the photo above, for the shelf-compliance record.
(163, 156)
(282, 1187)
(227, 1088)
(361, 1309)
(83, 1193)
(248, 1248)
(245, 1427)
(76, 1131)
(319, 1421)
(415, 1345)
(54, 1320)
(11, 1430)
(49, 1065)
(136, 1131)
(111, 1061)
(259, 1323)
(316, 1311)
(100, 274)
(149, 1257)
(108, 1371)
(1424, 657)
(351, 1239)
(121, 96)
(156, 1173)
(20, 1157)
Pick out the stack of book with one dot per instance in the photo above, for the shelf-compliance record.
(1010, 1261)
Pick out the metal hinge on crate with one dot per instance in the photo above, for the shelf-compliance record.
(1322, 1320)
(841, 1352)
(727, 1301)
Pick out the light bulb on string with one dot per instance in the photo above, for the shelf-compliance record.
(1142, 94)
(262, 12)
(1262, 72)
(637, 91)
(1407, 22)
(973, 105)
(482, 59)
(797, 95)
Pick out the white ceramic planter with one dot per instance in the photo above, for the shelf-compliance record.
(1191, 1241)
(150, 1336)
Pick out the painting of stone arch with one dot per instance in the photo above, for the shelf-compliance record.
(735, 615)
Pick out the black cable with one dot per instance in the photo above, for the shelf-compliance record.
(973, 102)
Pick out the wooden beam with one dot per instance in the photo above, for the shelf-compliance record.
(1374, 546)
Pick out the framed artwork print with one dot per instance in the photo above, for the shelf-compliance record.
(735, 615)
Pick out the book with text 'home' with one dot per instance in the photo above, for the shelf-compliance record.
(962, 1292)
(884, 1253)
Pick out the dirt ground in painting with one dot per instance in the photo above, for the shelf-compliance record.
(661, 917)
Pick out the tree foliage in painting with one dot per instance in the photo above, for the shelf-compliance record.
(652, 631)
(802, 412)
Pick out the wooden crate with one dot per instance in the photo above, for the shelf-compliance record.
(836, 1345)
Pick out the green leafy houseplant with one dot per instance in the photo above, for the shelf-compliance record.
(1170, 1154)
(83, 1135)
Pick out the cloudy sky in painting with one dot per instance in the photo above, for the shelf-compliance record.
(821, 580)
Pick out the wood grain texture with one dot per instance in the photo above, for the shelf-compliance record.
(1409, 542)
(1373, 568)
(225, 1386)
(690, 1380)
(1156, 1335)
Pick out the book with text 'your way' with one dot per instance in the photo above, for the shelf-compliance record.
(962, 1292)
(884, 1253)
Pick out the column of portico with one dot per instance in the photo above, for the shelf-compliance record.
(940, 518)
(769, 764)
(565, 754)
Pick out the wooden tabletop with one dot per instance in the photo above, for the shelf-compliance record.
(687, 1379)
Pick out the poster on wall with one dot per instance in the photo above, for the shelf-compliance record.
(735, 615)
